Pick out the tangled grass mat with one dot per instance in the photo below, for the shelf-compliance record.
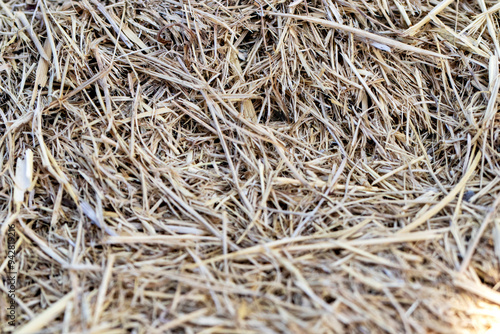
(181, 166)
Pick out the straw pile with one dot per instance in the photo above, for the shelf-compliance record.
(326, 166)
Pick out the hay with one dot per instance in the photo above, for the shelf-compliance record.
(251, 166)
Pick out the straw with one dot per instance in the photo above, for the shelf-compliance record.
(250, 166)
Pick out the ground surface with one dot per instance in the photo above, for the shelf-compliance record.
(217, 167)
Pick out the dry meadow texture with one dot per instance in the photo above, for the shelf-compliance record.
(325, 166)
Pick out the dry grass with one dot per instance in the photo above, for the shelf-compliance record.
(252, 166)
